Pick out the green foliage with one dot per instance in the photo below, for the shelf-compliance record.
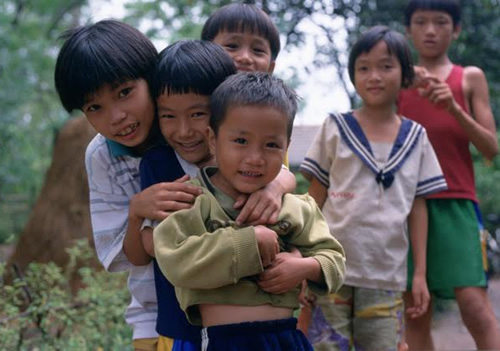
(302, 183)
(39, 311)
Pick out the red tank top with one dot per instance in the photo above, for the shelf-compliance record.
(447, 137)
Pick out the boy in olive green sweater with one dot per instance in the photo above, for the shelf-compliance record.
(229, 278)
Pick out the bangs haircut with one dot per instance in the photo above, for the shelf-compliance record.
(191, 66)
(397, 45)
(451, 7)
(258, 89)
(241, 18)
(107, 52)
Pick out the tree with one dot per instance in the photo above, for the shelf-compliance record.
(61, 213)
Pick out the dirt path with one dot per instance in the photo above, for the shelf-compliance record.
(449, 332)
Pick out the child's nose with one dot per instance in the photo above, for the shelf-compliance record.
(255, 158)
(117, 115)
(184, 128)
(430, 29)
(244, 55)
(374, 75)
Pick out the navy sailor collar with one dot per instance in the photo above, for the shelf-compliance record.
(352, 134)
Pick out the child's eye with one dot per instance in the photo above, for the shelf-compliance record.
(167, 116)
(124, 92)
(241, 141)
(260, 50)
(92, 108)
(362, 68)
(273, 145)
(199, 114)
(231, 46)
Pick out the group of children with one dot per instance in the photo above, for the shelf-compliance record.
(190, 194)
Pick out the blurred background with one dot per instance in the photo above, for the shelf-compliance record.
(53, 293)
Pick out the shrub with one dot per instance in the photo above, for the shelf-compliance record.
(39, 311)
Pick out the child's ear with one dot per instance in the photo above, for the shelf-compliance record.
(211, 140)
(271, 67)
(456, 31)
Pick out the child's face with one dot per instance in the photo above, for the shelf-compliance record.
(377, 76)
(122, 113)
(184, 119)
(250, 148)
(432, 32)
(250, 52)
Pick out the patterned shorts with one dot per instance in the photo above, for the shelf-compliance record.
(367, 319)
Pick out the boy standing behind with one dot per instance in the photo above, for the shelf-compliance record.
(253, 41)
(247, 34)
(452, 103)
(213, 262)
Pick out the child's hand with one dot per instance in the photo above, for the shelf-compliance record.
(420, 296)
(267, 241)
(160, 200)
(284, 274)
(421, 73)
(261, 207)
(438, 93)
(306, 297)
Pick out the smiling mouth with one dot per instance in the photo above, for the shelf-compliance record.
(245, 69)
(189, 145)
(129, 130)
(251, 174)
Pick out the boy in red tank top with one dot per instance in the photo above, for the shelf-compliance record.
(452, 103)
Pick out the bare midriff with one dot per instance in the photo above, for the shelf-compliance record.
(212, 315)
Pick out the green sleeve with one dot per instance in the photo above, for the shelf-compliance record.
(192, 257)
(311, 236)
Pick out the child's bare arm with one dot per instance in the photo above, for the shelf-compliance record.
(318, 192)
(417, 226)
(479, 125)
(482, 131)
(156, 202)
(263, 206)
(147, 241)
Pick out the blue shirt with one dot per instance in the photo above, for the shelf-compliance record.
(160, 164)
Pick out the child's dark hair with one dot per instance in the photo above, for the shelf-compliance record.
(252, 89)
(191, 66)
(451, 7)
(240, 18)
(397, 45)
(107, 52)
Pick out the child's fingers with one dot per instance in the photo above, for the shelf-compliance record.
(246, 209)
(240, 201)
(183, 179)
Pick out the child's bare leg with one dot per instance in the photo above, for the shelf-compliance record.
(478, 317)
(418, 330)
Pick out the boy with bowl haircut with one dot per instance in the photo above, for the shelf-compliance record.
(247, 34)
(105, 69)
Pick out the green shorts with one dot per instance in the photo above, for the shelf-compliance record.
(454, 252)
(368, 319)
